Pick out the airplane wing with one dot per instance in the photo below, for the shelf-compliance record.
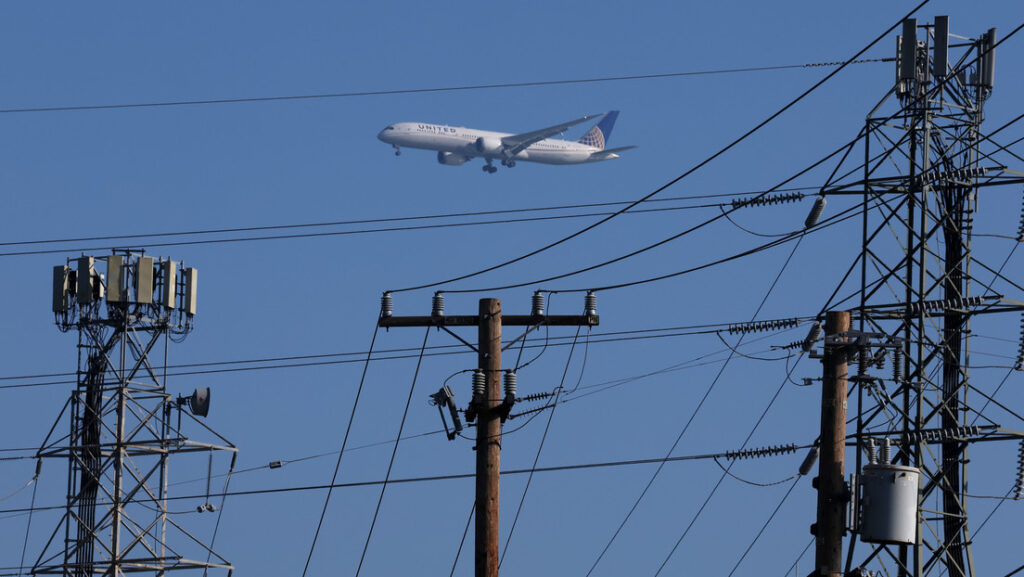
(619, 149)
(610, 153)
(517, 142)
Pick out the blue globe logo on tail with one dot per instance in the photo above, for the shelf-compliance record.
(598, 135)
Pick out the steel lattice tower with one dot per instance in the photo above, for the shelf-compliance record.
(124, 425)
(925, 165)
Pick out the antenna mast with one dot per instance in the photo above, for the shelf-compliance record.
(124, 425)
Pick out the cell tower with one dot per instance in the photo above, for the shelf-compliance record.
(124, 425)
(926, 163)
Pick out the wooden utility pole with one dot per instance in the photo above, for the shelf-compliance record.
(488, 439)
(491, 409)
(828, 537)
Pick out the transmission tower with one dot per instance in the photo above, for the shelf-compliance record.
(926, 163)
(124, 425)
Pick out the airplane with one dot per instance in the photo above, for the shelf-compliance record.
(456, 145)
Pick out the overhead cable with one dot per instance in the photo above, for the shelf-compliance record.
(459, 88)
(341, 453)
(139, 240)
(688, 172)
(421, 479)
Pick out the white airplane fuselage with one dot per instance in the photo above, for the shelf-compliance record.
(463, 144)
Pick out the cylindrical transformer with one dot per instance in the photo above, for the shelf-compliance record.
(889, 504)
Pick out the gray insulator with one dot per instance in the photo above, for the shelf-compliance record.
(809, 460)
(815, 214)
(538, 304)
(510, 385)
(869, 448)
(1020, 472)
(1020, 229)
(886, 453)
(479, 384)
(387, 305)
(897, 365)
(1020, 348)
(437, 310)
(590, 304)
(812, 336)
(862, 361)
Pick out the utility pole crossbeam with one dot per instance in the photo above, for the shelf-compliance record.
(832, 494)
(488, 407)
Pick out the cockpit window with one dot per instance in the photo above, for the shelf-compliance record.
(390, 128)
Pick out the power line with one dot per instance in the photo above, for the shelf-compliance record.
(796, 235)
(327, 234)
(341, 453)
(459, 88)
(690, 171)
(462, 541)
(339, 233)
(442, 350)
(757, 424)
(689, 421)
(606, 384)
(394, 452)
(763, 527)
(430, 478)
(540, 447)
(436, 216)
(725, 214)
(636, 252)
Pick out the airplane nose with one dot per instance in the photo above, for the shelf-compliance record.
(380, 135)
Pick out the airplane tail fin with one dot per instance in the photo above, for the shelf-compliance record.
(598, 135)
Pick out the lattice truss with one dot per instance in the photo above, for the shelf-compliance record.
(124, 427)
(926, 162)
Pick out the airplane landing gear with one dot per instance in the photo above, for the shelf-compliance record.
(398, 151)
(508, 162)
(490, 168)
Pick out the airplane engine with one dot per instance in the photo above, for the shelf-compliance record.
(487, 145)
(451, 159)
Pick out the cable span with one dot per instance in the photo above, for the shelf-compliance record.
(689, 421)
(441, 350)
(763, 527)
(540, 447)
(338, 233)
(690, 171)
(423, 479)
(462, 88)
(724, 214)
(394, 452)
(341, 453)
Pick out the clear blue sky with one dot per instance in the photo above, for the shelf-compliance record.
(101, 172)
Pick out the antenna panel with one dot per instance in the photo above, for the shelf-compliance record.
(60, 288)
(115, 265)
(85, 274)
(144, 280)
(191, 282)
